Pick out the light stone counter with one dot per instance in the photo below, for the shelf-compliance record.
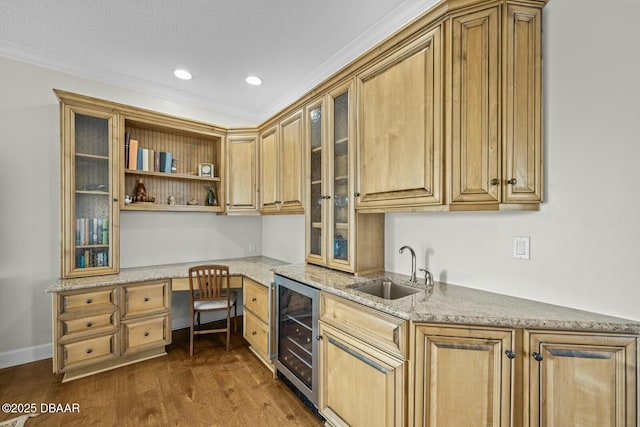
(446, 303)
(255, 268)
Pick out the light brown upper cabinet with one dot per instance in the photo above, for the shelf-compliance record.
(399, 152)
(89, 215)
(336, 236)
(495, 110)
(281, 171)
(242, 172)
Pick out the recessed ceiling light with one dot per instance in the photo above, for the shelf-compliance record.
(254, 80)
(182, 74)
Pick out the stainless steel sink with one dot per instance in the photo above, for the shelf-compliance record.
(385, 288)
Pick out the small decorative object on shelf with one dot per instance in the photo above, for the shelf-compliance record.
(212, 198)
(205, 169)
(193, 202)
(171, 201)
(141, 193)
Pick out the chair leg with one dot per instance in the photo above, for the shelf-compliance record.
(191, 338)
(228, 327)
(235, 318)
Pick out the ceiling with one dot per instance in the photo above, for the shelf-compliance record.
(291, 44)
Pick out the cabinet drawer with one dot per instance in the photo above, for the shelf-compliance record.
(256, 299)
(257, 333)
(145, 298)
(89, 351)
(147, 333)
(88, 323)
(388, 333)
(87, 300)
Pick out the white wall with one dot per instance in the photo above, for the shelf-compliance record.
(30, 194)
(283, 237)
(584, 240)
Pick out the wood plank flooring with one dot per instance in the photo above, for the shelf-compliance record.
(213, 388)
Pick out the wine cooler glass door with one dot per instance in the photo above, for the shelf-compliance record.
(297, 330)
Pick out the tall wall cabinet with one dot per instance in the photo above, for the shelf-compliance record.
(335, 235)
(495, 109)
(242, 171)
(89, 210)
(281, 166)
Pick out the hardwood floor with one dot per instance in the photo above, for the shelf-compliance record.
(213, 388)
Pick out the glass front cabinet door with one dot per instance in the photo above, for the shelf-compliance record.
(330, 214)
(89, 205)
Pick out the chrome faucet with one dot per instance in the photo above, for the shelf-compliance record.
(413, 262)
(428, 277)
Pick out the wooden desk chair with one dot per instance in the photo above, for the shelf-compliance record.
(209, 291)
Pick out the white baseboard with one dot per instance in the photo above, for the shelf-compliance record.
(45, 351)
(25, 355)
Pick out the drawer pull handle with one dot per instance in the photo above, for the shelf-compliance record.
(146, 299)
(254, 299)
(89, 324)
(89, 300)
(89, 351)
(146, 334)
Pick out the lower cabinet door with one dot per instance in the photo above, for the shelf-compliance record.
(582, 379)
(256, 332)
(463, 376)
(89, 351)
(145, 334)
(359, 384)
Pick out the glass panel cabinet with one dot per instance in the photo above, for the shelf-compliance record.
(89, 208)
(331, 220)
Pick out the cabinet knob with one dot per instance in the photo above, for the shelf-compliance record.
(89, 324)
(115, 199)
(319, 337)
(254, 299)
(494, 181)
(356, 194)
(89, 350)
(89, 300)
(146, 299)
(327, 197)
(537, 356)
(146, 334)
(510, 354)
(253, 333)
(512, 181)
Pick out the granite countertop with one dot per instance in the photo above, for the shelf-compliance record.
(256, 268)
(439, 303)
(447, 303)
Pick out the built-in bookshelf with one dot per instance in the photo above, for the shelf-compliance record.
(89, 208)
(179, 188)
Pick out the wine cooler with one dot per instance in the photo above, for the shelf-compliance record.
(296, 332)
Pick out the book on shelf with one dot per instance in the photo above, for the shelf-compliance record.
(126, 149)
(139, 157)
(145, 159)
(165, 161)
(174, 165)
(133, 154)
(92, 231)
(150, 161)
(156, 161)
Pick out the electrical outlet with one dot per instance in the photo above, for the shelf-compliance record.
(521, 247)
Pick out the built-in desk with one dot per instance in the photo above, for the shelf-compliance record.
(103, 322)
(182, 283)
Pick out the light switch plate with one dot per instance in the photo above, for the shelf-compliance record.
(521, 247)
